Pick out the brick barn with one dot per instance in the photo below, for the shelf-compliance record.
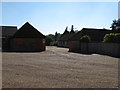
(96, 35)
(27, 38)
(6, 32)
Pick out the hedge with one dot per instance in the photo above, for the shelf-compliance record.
(112, 38)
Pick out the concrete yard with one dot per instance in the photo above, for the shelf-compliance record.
(58, 68)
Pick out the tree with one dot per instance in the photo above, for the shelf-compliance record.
(51, 40)
(56, 35)
(48, 41)
(85, 39)
(118, 24)
(115, 25)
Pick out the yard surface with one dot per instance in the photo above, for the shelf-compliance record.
(58, 68)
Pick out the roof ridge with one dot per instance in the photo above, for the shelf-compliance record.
(27, 31)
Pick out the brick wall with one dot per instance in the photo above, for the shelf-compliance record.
(27, 44)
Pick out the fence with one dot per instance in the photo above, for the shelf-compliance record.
(112, 49)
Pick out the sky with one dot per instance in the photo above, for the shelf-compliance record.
(51, 17)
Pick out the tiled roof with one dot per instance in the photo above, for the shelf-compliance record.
(8, 30)
(66, 35)
(96, 35)
(28, 31)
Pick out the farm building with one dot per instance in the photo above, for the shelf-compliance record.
(64, 39)
(6, 33)
(96, 35)
(27, 38)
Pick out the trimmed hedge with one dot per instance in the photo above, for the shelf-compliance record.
(112, 38)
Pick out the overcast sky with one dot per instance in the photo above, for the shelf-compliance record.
(49, 17)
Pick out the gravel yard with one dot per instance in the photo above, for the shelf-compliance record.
(58, 68)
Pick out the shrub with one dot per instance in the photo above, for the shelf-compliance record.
(85, 39)
(53, 43)
(112, 38)
(117, 35)
(48, 41)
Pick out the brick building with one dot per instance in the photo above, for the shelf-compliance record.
(6, 32)
(64, 39)
(27, 38)
(96, 35)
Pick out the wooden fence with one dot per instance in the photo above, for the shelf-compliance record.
(112, 49)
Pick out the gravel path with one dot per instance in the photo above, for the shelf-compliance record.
(58, 68)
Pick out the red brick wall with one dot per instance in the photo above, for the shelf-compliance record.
(27, 44)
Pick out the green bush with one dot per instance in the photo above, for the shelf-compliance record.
(85, 39)
(48, 41)
(112, 38)
(117, 37)
(53, 43)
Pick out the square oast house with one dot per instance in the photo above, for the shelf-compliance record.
(28, 38)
